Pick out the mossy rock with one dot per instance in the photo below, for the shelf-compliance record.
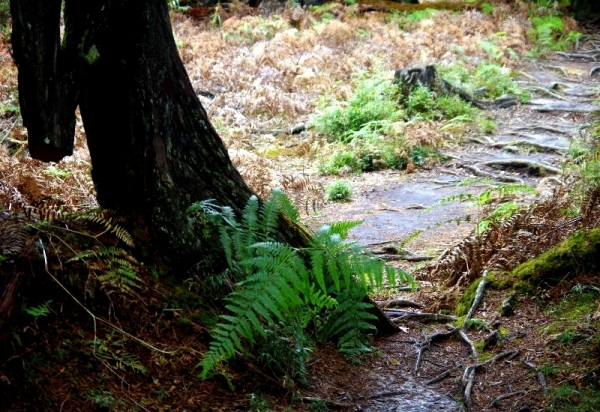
(579, 254)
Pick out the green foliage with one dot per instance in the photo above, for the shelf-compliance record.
(112, 350)
(251, 34)
(487, 80)
(319, 406)
(466, 299)
(338, 191)
(342, 228)
(486, 8)
(371, 109)
(54, 171)
(103, 400)
(487, 126)
(258, 404)
(114, 268)
(4, 15)
(408, 20)
(38, 311)
(566, 397)
(283, 293)
(548, 33)
(477, 324)
(176, 5)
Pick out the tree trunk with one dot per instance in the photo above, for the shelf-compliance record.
(153, 150)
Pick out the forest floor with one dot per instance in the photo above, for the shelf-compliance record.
(260, 76)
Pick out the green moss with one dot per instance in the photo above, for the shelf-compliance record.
(500, 281)
(92, 55)
(466, 300)
(576, 255)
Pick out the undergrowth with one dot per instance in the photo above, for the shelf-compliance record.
(378, 128)
(286, 298)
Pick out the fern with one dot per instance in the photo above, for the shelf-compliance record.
(115, 267)
(284, 288)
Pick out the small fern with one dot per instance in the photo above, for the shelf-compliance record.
(115, 268)
(324, 284)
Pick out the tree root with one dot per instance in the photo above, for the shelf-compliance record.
(505, 396)
(443, 375)
(591, 57)
(478, 172)
(546, 91)
(401, 303)
(427, 342)
(541, 378)
(327, 402)
(530, 164)
(523, 142)
(468, 378)
(476, 300)
(405, 316)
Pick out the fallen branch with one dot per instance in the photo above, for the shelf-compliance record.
(530, 164)
(478, 172)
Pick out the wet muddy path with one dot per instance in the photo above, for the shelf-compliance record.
(529, 146)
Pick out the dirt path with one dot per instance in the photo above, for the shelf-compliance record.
(392, 205)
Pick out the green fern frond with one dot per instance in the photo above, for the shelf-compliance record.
(342, 228)
(280, 285)
(269, 213)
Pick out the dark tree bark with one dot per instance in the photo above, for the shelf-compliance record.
(153, 150)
